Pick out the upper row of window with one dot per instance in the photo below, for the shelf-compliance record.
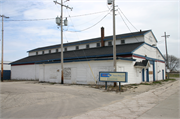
(87, 46)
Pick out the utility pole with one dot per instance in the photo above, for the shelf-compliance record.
(2, 48)
(114, 39)
(167, 61)
(59, 21)
(114, 36)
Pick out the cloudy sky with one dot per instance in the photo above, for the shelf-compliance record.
(32, 22)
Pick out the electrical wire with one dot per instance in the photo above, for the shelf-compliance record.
(127, 19)
(90, 26)
(54, 18)
(131, 32)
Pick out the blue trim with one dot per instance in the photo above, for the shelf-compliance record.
(150, 46)
(147, 75)
(163, 74)
(157, 49)
(138, 47)
(154, 72)
(161, 53)
(66, 61)
(152, 33)
(148, 58)
(143, 75)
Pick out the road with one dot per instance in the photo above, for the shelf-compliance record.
(42, 100)
(34, 100)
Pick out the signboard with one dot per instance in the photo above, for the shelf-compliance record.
(113, 76)
(168, 70)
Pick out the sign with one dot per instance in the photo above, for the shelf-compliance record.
(168, 70)
(113, 76)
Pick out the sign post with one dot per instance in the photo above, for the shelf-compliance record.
(113, 77)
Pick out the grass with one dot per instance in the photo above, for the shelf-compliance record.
(169, 80)
(174, 75)
(157, 82)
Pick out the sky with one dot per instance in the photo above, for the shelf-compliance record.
(32, 22)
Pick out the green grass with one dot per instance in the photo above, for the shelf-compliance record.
(169, 80)
(157, 82)
(173, 75)
(145, 84)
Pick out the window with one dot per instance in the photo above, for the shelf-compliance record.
(98, 44)
(122, 41)
(36, 53)
(87, 46)
(49, 51)
(77, 47)
(42, 52)
(109, 43)
(65, 49)
(56, 50)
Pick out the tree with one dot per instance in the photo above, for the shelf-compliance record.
(174, 63)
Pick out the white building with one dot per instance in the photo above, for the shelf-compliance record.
(137, 54)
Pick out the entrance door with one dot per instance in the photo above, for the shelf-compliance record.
(142, 75)
(163, 74)
(147, 75)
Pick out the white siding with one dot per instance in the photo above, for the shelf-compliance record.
(118, 42)
(79, 72)
(25, 72)
(146, 50)
(82, 46)
(149, 38)
(32, 53)
(134, 39)
(159, 68)
(92, 45)
(128, 66)
(53, 50)
(70, 48)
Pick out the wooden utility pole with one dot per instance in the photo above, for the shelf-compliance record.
(114, 40)
(2, 48)
(167, 61)
(61, 24)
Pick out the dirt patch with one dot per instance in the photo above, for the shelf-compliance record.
(134, 88)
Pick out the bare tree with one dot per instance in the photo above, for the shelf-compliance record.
(174, 63)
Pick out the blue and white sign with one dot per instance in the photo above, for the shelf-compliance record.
(113, 76)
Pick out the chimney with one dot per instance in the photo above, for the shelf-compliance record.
(102, 36)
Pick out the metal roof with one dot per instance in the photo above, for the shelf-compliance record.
(98, 52)
(93, 40)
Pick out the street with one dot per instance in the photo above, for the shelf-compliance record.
(42, 100)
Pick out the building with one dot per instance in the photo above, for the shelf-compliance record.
(137, 54)
(6, 70)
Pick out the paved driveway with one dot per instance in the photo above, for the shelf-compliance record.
(34, 100)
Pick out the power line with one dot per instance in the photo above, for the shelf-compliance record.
(127, 19)
(54, 18)
(131, 32)
(90, 26)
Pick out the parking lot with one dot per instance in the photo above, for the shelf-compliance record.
(29, 99)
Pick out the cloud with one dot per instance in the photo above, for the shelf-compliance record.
(21, 36)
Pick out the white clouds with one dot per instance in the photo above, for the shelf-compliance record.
(160, 16)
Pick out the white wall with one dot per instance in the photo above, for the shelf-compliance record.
(149, 38)
(146, 50)
(159, 67)
(75, 72)
(25, 72)
(32, 53)
(134, 39)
